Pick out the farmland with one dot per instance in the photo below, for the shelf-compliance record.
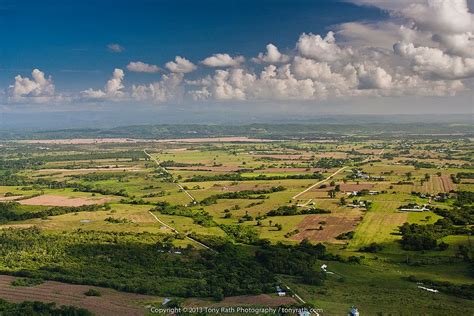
(222, 221)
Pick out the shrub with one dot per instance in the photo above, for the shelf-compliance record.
(92, 292)
(27, 282)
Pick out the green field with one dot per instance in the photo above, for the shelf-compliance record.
(211, 210)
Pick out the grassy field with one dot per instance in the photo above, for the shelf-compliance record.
(198, 195)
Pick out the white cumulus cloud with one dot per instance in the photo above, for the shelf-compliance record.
(112, 91)
(322, 48)
(138, 66)
(180, 65)
(169, 88)
(373, 77)
(223, 60)
(434, 63)
(38, 89)
(272, 56)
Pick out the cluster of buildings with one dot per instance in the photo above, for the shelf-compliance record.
(358, 174)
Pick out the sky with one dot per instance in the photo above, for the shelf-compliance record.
(259, 58)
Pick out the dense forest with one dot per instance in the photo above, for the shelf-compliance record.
(143, 263)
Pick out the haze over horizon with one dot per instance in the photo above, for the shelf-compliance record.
(72, 64)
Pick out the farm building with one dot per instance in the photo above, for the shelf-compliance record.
(415, 208)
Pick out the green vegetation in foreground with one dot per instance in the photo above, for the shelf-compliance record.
(141, 263)
(149, 264)
(26, 282)
(40, 309)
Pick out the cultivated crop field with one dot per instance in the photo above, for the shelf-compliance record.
(220, 222)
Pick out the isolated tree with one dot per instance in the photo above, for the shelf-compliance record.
(343, 201)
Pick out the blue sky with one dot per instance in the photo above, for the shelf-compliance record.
(60, 37)
(326, 55)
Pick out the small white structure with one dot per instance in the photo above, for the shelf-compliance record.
(428, 289)
(324, 267)
(416, 208)
(353, 311)
(280, 292)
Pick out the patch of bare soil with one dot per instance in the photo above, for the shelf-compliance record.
(10, 198)
(216, 140)
(110, 302)
(285, 157)
(205, 168)
(309, 228)
(447, 183)
(58, 200)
